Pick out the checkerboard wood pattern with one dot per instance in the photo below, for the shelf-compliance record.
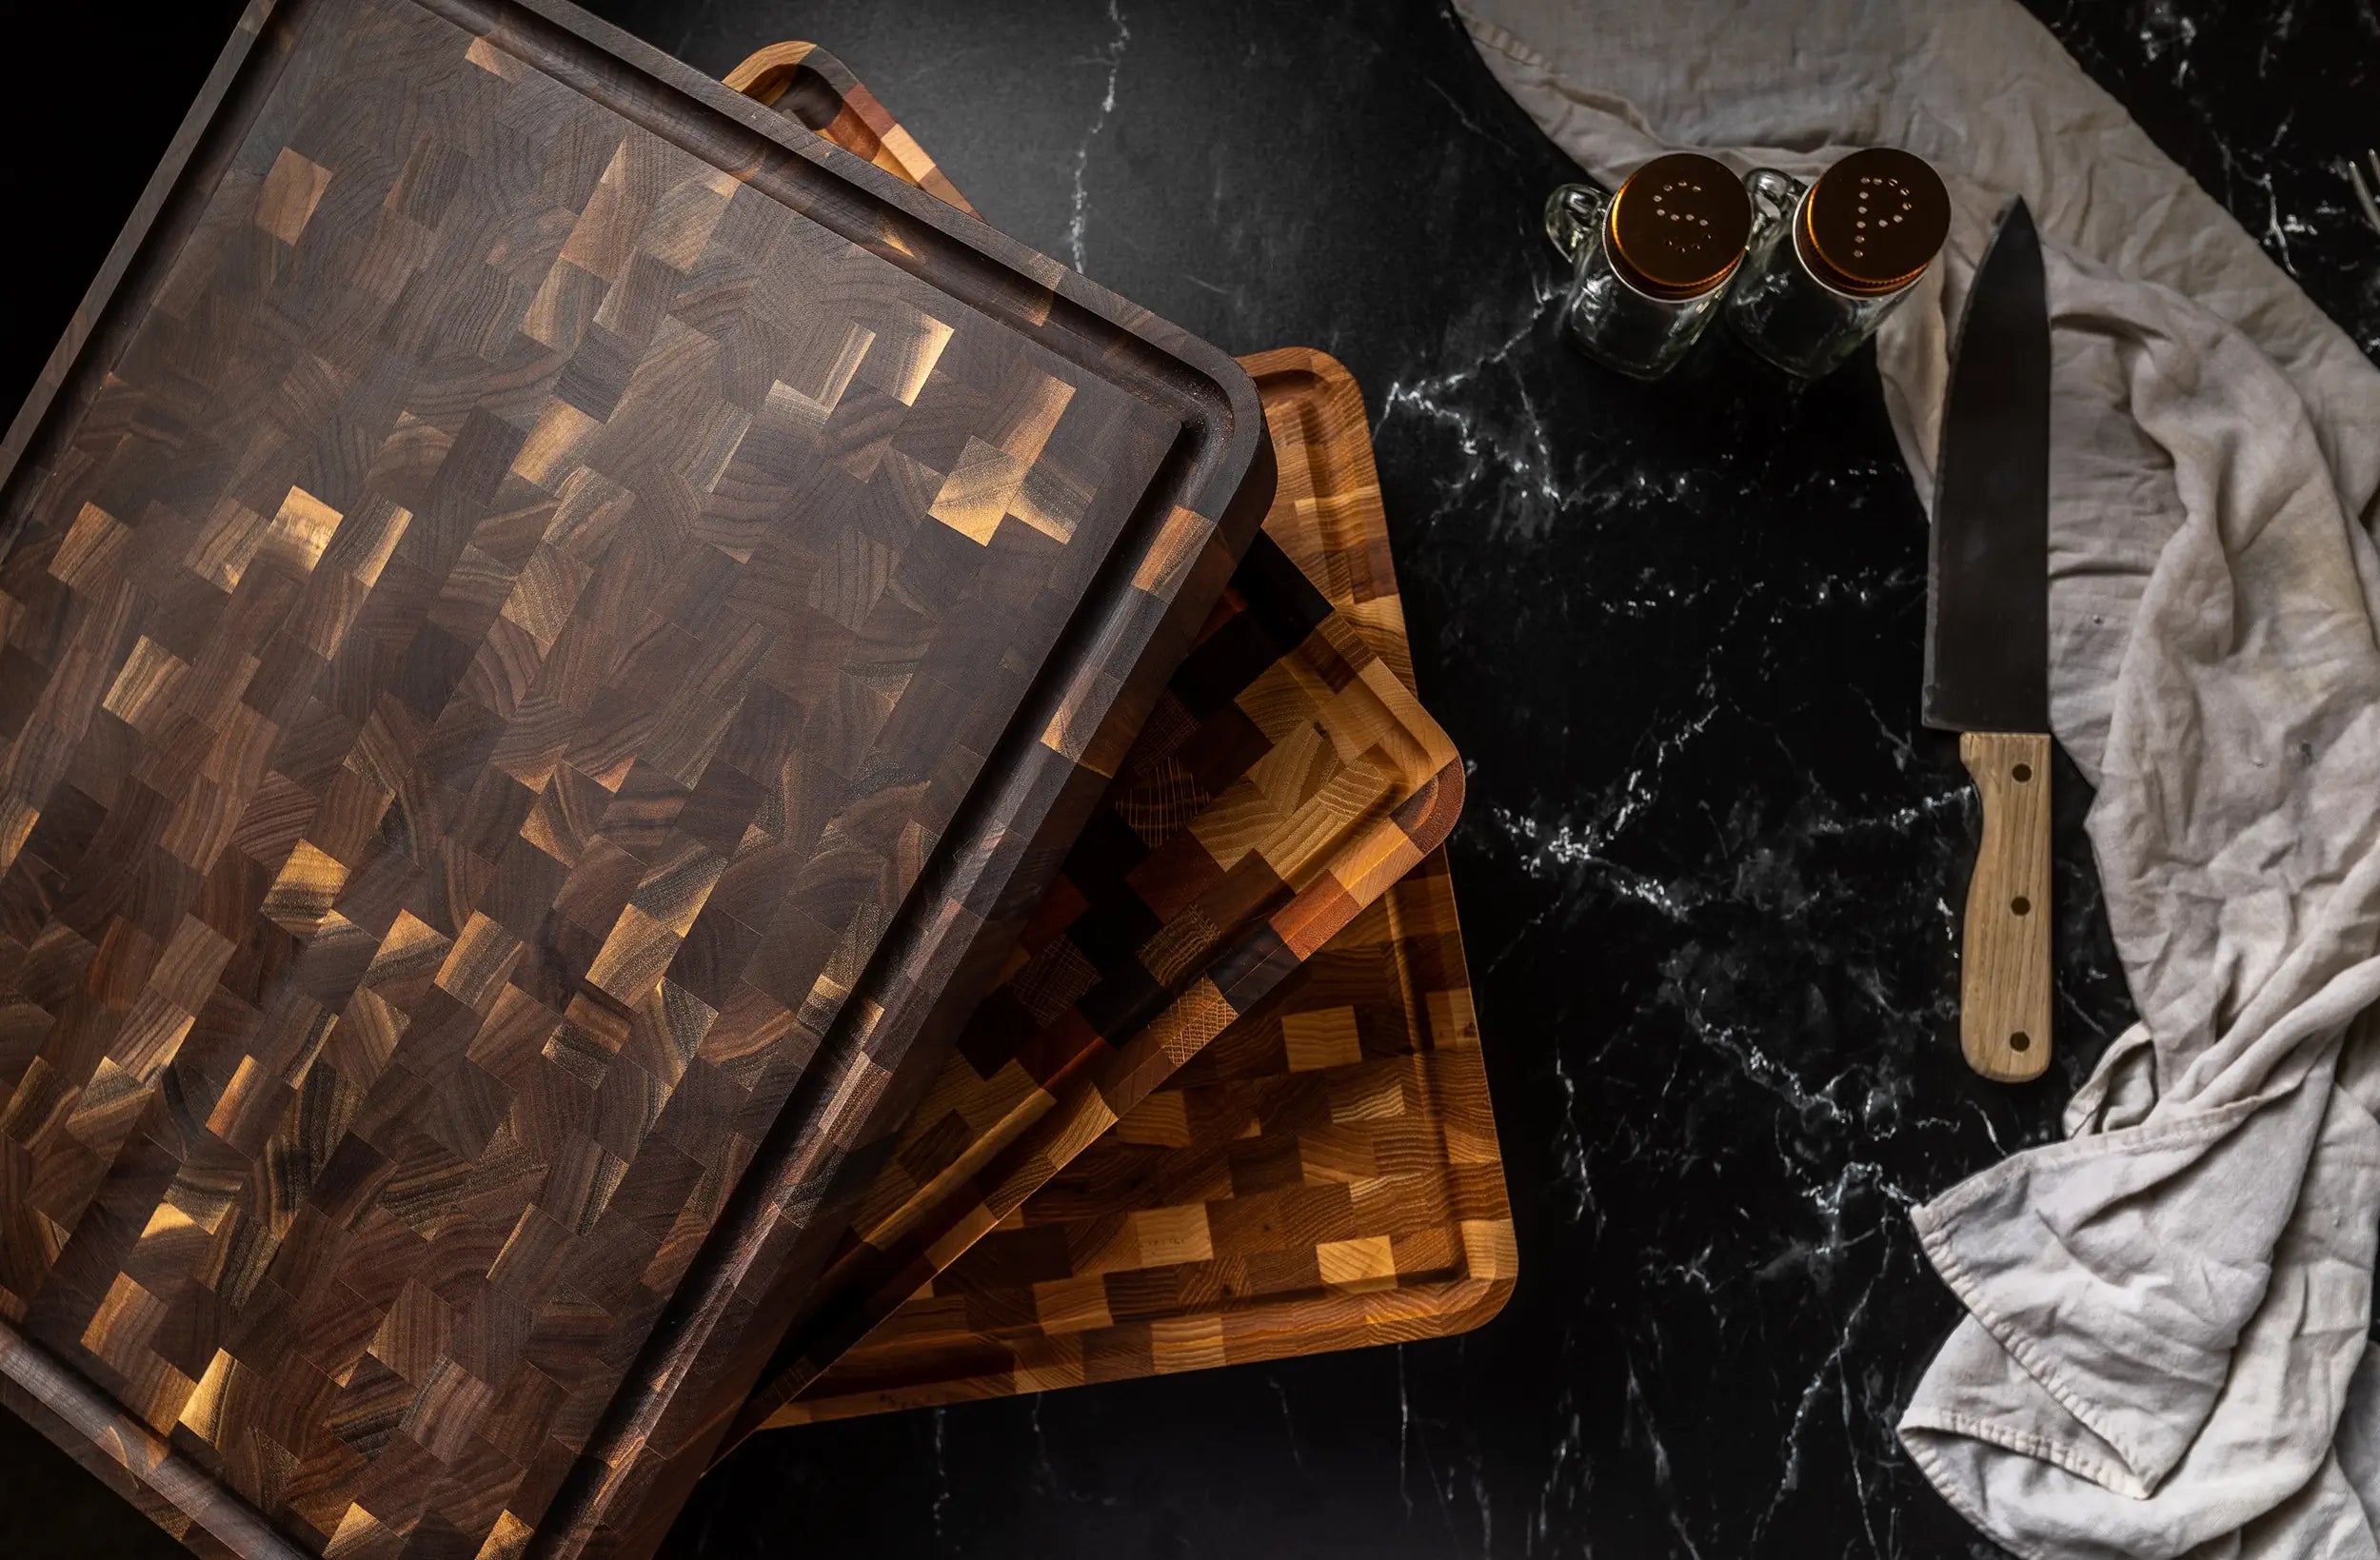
(1286, 779)
(1323, 1174)
(530, 677)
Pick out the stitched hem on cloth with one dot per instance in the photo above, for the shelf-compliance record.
(2112, 1478)
(2027, 1353)
(1929, 1463)
(1497, 38)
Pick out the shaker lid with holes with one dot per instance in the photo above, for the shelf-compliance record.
(1875, 220)
(1679, 225)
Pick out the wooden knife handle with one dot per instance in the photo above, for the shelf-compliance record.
(2004, 958)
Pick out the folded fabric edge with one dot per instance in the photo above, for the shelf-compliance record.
(2122, 1479)
(2201, 1126)
(1488, 34)
(1945, 1484)
(1917, 1422)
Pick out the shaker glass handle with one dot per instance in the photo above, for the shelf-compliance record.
(1773, 195)
(1572, 212)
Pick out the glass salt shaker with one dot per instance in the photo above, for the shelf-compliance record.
(1829, 260)
(1649, 263)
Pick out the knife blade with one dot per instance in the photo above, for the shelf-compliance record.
(1987, 666)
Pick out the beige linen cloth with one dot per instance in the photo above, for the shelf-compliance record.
(2164, 1351)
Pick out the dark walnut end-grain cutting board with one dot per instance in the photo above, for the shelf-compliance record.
(554, 625)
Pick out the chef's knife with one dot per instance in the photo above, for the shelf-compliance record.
(1987, 645)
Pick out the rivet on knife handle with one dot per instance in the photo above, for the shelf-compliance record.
(2004, 959)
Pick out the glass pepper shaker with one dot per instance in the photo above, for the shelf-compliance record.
(1829, 260)
(1649, 263)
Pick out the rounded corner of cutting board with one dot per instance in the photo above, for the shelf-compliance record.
(1248, 471)
(1446, 792)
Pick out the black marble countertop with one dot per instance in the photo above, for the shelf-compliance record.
(1707, 862)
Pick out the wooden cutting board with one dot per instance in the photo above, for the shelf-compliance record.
(1323, 1174)
(554, 627)
(804, 82)
(1164, 1246)
(1285, 780)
